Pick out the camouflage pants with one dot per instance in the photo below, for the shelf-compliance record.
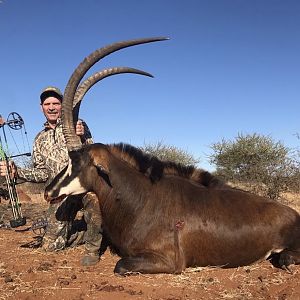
(77, 220)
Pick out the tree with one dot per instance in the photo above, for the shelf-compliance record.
(258, 162)
(170, 153)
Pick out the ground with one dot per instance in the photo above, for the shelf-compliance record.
(27, 272)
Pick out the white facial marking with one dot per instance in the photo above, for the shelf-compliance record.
(69, 169)
(66, 174)
(73, 188)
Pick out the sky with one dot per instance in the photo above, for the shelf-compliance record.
(229, 67)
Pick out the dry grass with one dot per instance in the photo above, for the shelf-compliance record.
(292, 200)
(33, 274)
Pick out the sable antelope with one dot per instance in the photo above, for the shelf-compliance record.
(164, 217)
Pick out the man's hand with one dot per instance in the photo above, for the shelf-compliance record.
(79, 128)
(2, 121)
(11, 166)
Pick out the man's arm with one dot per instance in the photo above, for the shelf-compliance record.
(38, 172)
(32, 174)
(27, 174)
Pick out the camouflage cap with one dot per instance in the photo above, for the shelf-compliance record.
(51, 91)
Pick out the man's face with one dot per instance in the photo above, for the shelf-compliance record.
(51, 108)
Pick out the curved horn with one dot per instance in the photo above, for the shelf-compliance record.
(89, 82)
(72, 140)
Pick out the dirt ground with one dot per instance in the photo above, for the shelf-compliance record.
(28, 273)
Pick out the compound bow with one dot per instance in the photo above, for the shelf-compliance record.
(15, 122)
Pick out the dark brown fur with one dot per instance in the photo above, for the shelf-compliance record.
(163, 217)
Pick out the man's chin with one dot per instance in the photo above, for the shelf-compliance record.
(52, 117)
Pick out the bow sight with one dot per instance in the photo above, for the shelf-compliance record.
(14, 121)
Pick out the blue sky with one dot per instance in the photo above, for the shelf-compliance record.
(230, 66)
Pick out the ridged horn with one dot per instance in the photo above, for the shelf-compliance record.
(89, 82)
(72, 140)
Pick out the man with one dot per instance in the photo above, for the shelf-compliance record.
(49, 157)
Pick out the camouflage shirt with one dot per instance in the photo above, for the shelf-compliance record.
(49, 154)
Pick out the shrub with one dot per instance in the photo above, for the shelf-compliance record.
(258, 162)
(170, 153)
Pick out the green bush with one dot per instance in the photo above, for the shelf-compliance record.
(259, 163)
(170, 153)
